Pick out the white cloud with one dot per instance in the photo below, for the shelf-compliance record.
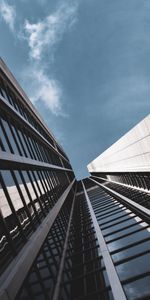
(43, 89)
(45, 34)
(7, 13)
(48, 32)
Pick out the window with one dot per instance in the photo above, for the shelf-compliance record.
(138, 289)
(129, 240)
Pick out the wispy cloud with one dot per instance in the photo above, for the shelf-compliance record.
(43, 36)
(49, 31)
(7, 13)
(44, 89)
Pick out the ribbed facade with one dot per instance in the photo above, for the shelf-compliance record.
(60, 238)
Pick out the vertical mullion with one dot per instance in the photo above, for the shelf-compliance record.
(15, 140)
(20, 140)
(6, 137)
(12, 207)
(29, 139)
(41, 195)
(50, 187)
(35, 191)
(22, 198)
(30, 198)
(7, 233)
(36, 149)
(44, 186)
(115, 283)
(26, 140)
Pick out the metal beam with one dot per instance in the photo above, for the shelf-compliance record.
(16, 115)
(8, 76)
(115, 284)
(122, 184)
(60, 272)
(132, 203)
(8, 160)
(12, 279)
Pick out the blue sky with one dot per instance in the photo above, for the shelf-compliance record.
(85, 64)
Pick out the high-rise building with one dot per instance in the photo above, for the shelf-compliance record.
(64, 239)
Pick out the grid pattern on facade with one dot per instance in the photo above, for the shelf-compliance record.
(128, 238)
(19, 139)
(141, 197)
(41, 280)
(83, 275)
(139, 180)
(34, 171)
(138, 198)
(60, 239)
(26, 198)
(15, 100)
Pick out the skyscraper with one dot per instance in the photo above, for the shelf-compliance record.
(68, 239)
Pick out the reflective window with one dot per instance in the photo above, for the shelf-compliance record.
(12, 190)
(24, 147)
(17, 140)
(134, 267)
(109, 211)
(21, 185)
(119, 226)
(135, 237)
(28, 146)
(142, 247)
(123, 218)
(4, 138)
(10, 137)
(5, 208)
(4, 93)
(139, 289)
(126, 231)
(29, 185)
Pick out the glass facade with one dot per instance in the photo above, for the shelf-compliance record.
(64, 239)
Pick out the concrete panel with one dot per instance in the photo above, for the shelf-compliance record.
(130, 153)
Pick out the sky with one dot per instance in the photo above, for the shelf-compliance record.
(84, 64)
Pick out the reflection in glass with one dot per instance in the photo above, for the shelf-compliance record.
(139, 289)
(134, 267)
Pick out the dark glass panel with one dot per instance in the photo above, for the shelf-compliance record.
(126, 241)
(139, 289)
(119, 226)
(10, 136)
(126, 231)
(145, 246)
(134, 267)
(4, 141)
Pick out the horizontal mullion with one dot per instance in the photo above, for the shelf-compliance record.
(130, 246)
(134, 278)
(127, 219)
(108, 214)
(84, 275)
(127, 234)
(9, 107)
(17, 90)
(90, 249)
(12, 279)
(123, 228)
(12, 160)
(130, 203)
(124, 260)
(127, 186)
(114, 281)
(85, 263)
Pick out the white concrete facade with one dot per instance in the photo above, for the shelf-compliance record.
(131, 153)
